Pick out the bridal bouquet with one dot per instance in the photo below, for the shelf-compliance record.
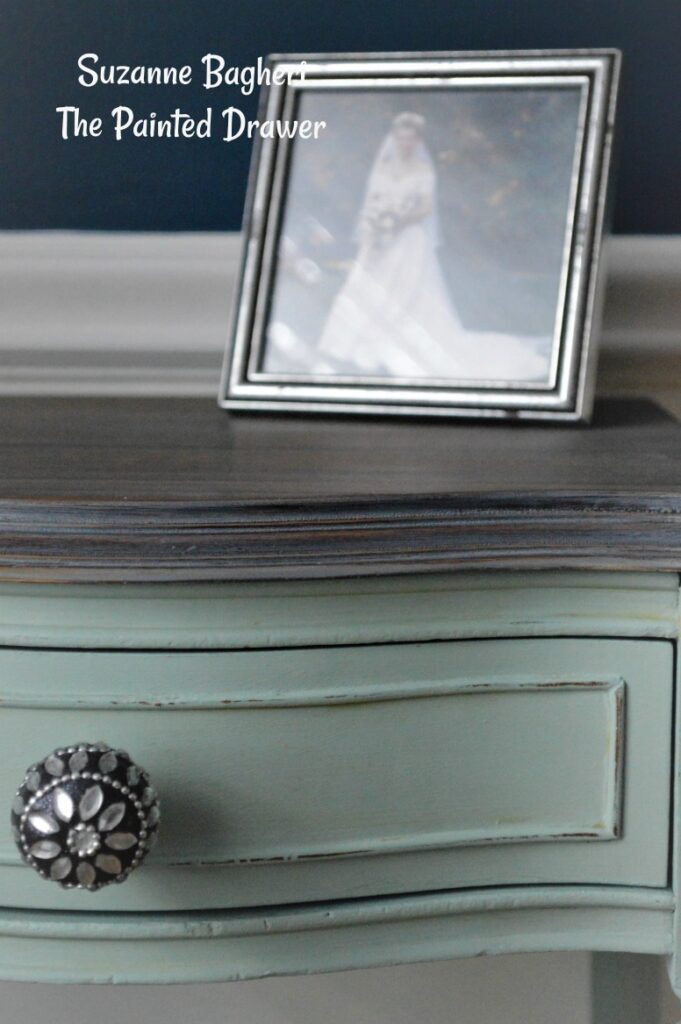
(383, 218)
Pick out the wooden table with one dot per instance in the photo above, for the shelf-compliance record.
(406, 690)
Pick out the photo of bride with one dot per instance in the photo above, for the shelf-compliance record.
(393, 315)
(430, 257)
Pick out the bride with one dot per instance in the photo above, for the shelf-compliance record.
(393, 316)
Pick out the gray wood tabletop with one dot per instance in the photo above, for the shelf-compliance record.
(159, 489)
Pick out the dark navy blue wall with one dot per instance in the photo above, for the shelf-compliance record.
(191, 185)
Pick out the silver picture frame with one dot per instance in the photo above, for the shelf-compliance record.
(566, 394)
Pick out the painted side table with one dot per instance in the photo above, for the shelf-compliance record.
(405, 691)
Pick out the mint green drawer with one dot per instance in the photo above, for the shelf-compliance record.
(319, 774)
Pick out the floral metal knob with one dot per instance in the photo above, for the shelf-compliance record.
(85, 816)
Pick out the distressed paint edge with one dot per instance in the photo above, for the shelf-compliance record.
(336, 937)
(305, 698)
(674, 958)
(614, 800)
(465, 605)
(327, 915)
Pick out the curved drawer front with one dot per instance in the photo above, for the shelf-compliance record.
(313, 774)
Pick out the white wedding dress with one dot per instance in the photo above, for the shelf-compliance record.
(393, 316)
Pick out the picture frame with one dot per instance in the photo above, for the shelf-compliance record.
(435, 249)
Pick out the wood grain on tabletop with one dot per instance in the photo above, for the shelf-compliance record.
(120, 488)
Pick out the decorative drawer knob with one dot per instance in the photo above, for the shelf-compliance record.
(85, 816)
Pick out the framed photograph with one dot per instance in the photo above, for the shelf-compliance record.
(422, 235)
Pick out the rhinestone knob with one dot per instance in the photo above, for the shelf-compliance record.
(85, 816)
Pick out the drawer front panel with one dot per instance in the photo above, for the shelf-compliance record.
(327, 773)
